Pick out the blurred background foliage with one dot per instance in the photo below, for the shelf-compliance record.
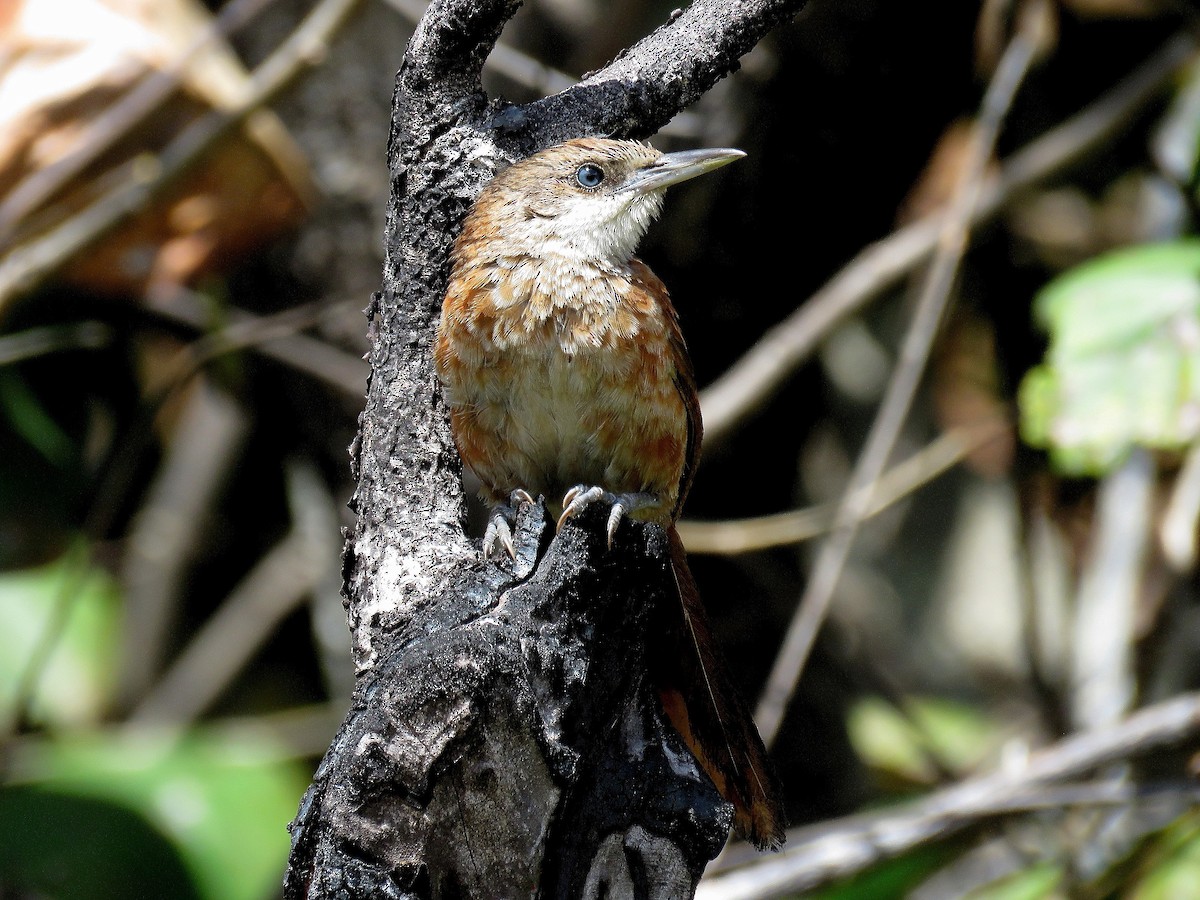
(185, 248)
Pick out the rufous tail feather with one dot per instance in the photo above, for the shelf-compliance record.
(714, 721)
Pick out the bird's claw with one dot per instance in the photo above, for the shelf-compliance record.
(581, 496)
(498, 534)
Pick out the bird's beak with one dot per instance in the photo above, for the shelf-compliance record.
(672, 168)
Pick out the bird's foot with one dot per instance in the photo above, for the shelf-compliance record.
(581, 496)
(498, 535)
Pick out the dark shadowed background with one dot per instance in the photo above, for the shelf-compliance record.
(178, 392)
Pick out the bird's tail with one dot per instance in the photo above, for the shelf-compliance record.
(712, 718)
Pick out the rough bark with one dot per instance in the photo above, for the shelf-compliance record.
(502, 740)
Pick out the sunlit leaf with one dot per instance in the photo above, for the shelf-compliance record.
(224, 803)
(1041, 882)
(911, 745)
(1172, 863)
(894, 878)
(1123, 366)
(82, 603)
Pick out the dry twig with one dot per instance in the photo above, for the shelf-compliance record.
(839, 849)
(276, 585)
(918, 341)
(275, 336)
(749, 382)
(792, 527)
(1102, 668)
(1178, 527)
(168, 527)
(45, 339)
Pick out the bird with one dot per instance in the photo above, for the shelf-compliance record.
(566, 375)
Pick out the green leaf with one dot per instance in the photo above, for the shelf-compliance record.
(24, 412)
(1041, 882)
(893, 878)
(1123, 365)
(223, 803)
(82, 602)
(1173, 863)
(78, 848)
(907, 745)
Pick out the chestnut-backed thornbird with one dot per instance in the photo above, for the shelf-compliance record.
(566, 374)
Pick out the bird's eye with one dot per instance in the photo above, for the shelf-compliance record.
(589, 176)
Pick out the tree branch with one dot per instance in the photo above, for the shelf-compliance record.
(637, 93)
(932, 302)
(507, 736)
(835, 850)
(504, 739)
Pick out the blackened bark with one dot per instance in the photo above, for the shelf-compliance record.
(503, 740)
(508, 744)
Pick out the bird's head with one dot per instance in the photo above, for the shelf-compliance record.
(589, 198)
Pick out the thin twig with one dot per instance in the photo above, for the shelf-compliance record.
(299, 732)
(749, 382)
(53, 339)
(118, 120)
(1177, 530)
(245, 332)
(761, 532)
(1022, 844)
(274, 336)
(838, 849)
(250, 614)
(26, 265)
(167, 528)
(1035, 600)
(931, 307)
(1104, 630)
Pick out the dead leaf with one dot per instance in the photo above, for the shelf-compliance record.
(63, 64)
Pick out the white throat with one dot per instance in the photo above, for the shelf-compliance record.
(597, 228)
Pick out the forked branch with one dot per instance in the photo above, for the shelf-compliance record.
(503, 740)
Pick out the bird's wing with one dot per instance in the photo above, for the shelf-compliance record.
(684, 378)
